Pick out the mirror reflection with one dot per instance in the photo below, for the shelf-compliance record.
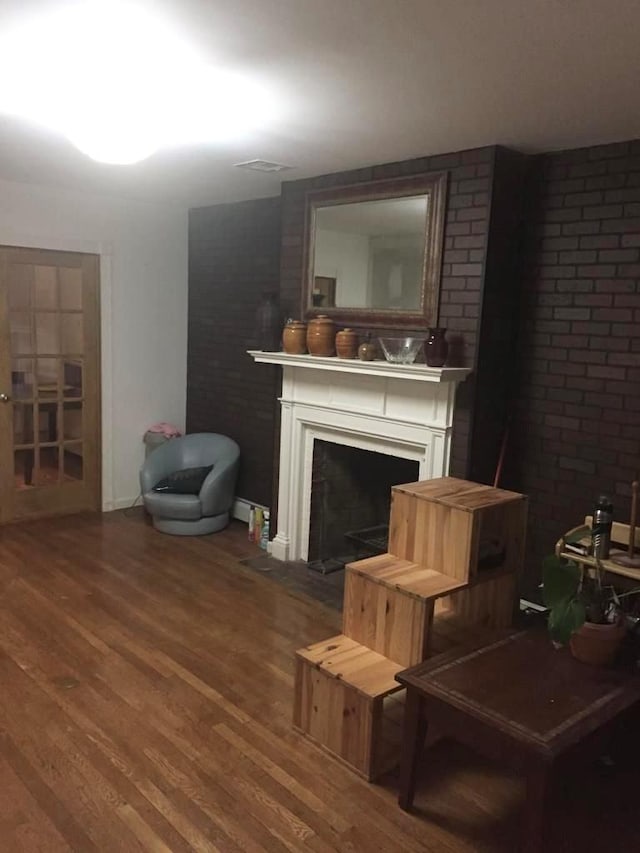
(370, 254)
(373, 251)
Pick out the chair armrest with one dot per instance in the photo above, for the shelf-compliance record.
(218, 490)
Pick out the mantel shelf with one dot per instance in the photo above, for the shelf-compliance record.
(417, 372)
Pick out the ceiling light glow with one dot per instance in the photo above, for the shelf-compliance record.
(120, 84)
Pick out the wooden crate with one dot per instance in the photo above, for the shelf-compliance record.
(444, 525)
(487, 603)
(388, 605)
(340, 690)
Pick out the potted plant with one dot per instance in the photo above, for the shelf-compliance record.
(583, 611)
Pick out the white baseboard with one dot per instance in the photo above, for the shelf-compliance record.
(121, 503)
(531, 605)
(241, 507)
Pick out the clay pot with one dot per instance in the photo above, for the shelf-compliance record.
(347, 344)
(321, 336)
(367, 351)
(294, 337)
(597, 644)
(436, 348)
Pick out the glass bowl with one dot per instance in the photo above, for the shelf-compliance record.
(401, 350)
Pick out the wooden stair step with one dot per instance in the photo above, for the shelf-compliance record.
(368, 672)
(412, 578)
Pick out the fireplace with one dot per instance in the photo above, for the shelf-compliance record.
(398, 410)
(350, 502)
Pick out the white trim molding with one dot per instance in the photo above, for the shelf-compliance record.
(399, 410)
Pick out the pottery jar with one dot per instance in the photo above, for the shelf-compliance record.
(367, 351)
(347, 343)
(321, 336)
(436, 348)
(294, 337)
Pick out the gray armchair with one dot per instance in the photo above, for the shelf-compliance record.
(192, 515)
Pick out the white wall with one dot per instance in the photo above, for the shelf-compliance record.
(344, 257)
(143, 272)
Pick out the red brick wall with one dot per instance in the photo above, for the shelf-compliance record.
(234, 256)
(576, 427)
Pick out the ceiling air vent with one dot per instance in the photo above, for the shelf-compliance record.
(263, 166)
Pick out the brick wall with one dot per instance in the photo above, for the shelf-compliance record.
(234, 250)
(234, 257)
(465, 248)
(576, 425)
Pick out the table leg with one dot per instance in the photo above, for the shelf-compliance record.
(535, 824)
(413, 736)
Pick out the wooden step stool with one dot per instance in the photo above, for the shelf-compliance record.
(345, 688)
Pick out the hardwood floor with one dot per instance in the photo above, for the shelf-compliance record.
(145, 704)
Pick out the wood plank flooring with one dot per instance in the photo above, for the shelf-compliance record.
(145, 705)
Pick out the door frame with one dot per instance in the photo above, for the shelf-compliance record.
(105, 252)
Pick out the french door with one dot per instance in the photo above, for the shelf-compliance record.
(49, 383)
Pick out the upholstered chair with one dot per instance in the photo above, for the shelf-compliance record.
(192, 514)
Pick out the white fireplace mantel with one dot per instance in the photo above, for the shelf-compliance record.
(403, 410)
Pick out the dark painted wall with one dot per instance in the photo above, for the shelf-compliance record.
(576, 427)
(467, 246)
(565, 361)
(234, 257)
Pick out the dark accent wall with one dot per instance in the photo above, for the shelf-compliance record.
(576, 426)
(234, 251)
(479, 180)
(574, 395)
(234, 257)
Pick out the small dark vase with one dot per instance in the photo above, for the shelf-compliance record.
(436, 348)
(269, 323)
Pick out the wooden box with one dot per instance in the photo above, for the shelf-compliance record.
(342, 693)
(458, 528)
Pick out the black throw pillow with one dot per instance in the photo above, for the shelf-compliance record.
(186, 482)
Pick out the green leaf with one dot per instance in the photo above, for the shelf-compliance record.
(560, 581)
(566, 618)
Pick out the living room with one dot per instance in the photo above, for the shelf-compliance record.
(528, 112)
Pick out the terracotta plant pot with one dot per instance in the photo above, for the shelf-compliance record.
(347, 344)
(321, 336)
(597, 644)
(294, 338)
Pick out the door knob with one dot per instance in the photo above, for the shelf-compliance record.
(5, 398)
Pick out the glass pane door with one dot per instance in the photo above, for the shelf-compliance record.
(50, 316)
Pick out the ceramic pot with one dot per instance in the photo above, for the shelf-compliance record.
(347, 344)
(436, 348)
(294, 337)
(321, 336)
(597, 644)
(367, 351)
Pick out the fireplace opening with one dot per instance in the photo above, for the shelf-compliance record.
(350, 502)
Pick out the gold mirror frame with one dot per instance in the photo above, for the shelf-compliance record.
(432, 184)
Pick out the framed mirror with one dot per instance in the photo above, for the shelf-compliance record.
(374, 251)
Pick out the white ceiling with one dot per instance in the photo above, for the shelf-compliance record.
(371, 81)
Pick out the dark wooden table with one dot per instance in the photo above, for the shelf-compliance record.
(519, 701)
